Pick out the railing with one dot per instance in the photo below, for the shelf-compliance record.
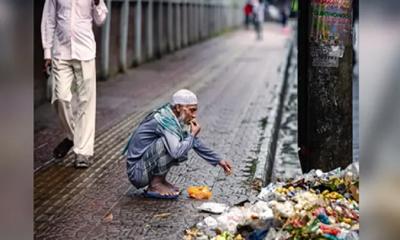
(137, 31)
(151, 28)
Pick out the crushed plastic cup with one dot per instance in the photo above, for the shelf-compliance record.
(263, 210)
(268, 193)
(285, 209)
(199, 192)
(210, 222)
(212, 207)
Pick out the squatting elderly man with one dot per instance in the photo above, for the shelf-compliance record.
(162, 140)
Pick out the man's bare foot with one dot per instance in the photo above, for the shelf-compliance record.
(171, 186)
(162, 189)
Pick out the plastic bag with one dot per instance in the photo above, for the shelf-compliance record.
(269, 192)
(199, 192)
(274, 12)
(49, 85)
(213, 207)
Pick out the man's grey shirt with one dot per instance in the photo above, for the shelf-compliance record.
(150, 131)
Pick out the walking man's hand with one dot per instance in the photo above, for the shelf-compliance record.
(227, 166)
(47, 63)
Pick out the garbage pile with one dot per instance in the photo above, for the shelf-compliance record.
(315, 205)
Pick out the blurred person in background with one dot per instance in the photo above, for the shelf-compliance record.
(285, 9)
(294, 8)
(247, 9)
(258, 16)
(70, 49)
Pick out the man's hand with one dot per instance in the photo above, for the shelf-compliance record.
(226, 165)
(96, 2)
(47, 63)
(195, 127)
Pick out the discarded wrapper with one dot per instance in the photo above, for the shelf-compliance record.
(212, 207)
(199, 192)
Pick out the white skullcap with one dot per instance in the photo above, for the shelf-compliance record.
(184, 97)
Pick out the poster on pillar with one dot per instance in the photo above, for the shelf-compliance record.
(330, 32)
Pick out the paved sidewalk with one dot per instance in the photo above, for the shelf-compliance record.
(235, 78)
(287, 162)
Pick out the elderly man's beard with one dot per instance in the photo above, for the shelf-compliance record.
(182, 117)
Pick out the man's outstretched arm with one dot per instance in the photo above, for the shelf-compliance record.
(210, 156)
(205, 152)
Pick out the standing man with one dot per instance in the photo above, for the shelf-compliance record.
(70, 48)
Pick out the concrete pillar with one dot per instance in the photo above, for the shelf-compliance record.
(229, 16)
(193, 21)
(215, 17)
(178, 21)
(198, 25)
(170, 27)
(325, 86)
(223, 9)
(208, 20)
(238, 16)
(185, 33)
(160, 28)
(224, 17)
(150, 27)
(196, 21)
(124, 27)
(218, 15)
(204, 21)
(138, 32)
(202, 29)
(190, 22)
(231, 9)
(232, 15)
(105, 44)
(221, 15)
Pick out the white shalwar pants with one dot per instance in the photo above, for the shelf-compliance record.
(81, 75)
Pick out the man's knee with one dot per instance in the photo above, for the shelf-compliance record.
(139, 179)
(60, 104)
(139, 183)
(137, 174)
